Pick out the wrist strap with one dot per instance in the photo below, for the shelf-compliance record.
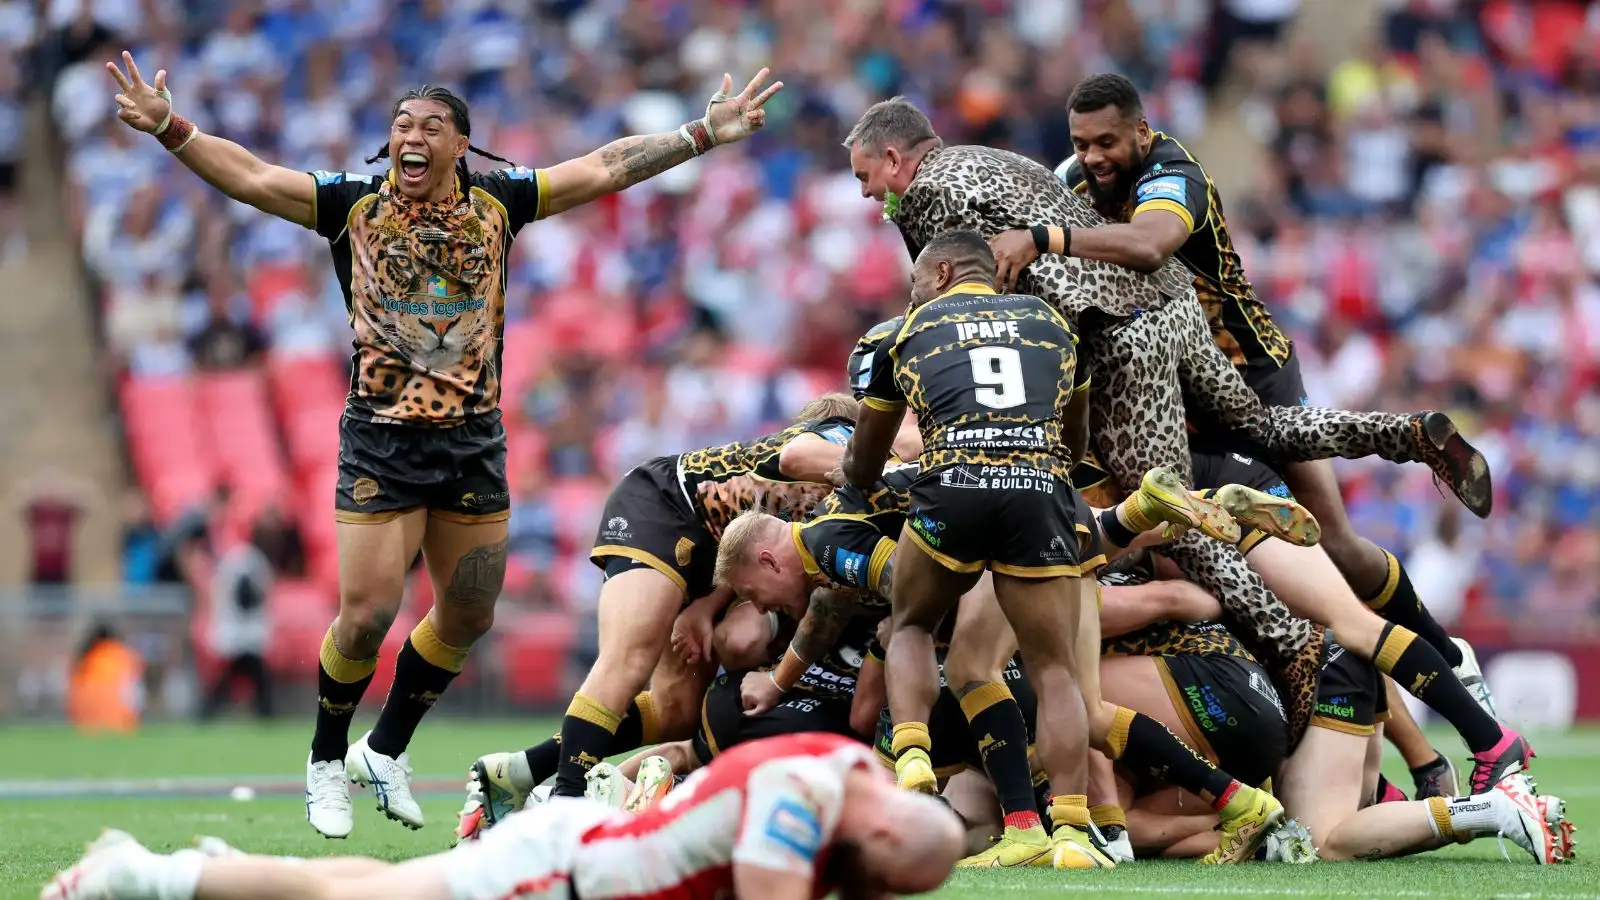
(177, 133)
(698, 135)
(792, 666)
(1041, 238)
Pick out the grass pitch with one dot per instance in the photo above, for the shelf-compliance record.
(167, 784)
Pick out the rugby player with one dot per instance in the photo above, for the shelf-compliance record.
(1141, 364)
(990, 378)
(789, 818)
(1165, 206)
(420, 254)
(657, 544)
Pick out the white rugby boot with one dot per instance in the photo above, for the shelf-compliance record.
(605, 784)
(328, 799)
(498, 785)
(390, 779)
(117, 867)
(1471, 678)
(1520, 817)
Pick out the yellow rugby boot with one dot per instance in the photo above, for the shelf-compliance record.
(1162, 497)
(914, 771)
(1072, 848)
(1246, 820)
(1280, 517)
(1015, 847)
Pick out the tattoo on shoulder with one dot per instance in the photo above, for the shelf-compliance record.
(886, 579)
(633, 159)
(479, 575)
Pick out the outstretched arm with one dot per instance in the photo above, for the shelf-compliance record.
(630, 160)
(224, 165)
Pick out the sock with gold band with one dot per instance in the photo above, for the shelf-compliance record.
(1397, 602)
(1108, 815)
(1460, 819)
(1146, 746)
(639, 727)
(422, 671)
(1420, 671)
(587, 733)
(1002, 737)
(1070, 809)
(340, 683)
(1128, 519)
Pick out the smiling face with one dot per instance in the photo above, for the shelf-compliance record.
(1110, 149)
(424, 144)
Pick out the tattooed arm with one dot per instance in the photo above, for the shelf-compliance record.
(624, 163)
(819, 630)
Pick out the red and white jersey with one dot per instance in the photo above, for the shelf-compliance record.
(772, 803)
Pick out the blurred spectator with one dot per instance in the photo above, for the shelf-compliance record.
(227, 339)
(141, 540)
(1425, 220)
(13, 241)
(52, 504)
(239, 627)
(279, 541)
(105, 689)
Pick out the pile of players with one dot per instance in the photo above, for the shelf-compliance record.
(1037, 560)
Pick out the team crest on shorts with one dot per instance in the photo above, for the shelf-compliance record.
(683, 551)
(364, 490)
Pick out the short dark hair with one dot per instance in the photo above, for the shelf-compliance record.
(895, 121)
(961, 247)
(1100, 91)
(459, 116)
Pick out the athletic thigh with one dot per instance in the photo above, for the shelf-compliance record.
(1320, 784)
(466, 562)
(373, 560)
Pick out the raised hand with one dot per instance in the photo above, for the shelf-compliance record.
(145, 107)
(734, 118)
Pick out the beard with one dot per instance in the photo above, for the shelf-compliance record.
(1114, 196)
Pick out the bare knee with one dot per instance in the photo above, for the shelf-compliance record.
(677, 710)
(461, 625)
(363, 623)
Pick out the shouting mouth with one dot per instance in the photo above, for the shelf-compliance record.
(413, 168)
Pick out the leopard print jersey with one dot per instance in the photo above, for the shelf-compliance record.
(428, 307)
(1176, 639)
(727, 480)
(992, 191)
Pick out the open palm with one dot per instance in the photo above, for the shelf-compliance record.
(142, 105)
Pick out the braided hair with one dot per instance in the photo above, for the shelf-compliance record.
(458, 114)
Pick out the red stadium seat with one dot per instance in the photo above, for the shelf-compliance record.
(169, 443)
(533, 651)
(240, 424)
(268, 283)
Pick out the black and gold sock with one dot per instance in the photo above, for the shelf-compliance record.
(422, 671)
(1398, 602)
(1420, 671)
(340, 683)
(543, 758)
(1108, 815)
(1069, 810)
(586, 734)
(1002, 737)
(1146, 746)
(640, 726)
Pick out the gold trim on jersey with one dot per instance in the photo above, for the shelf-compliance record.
(456, 518)
(1171, 206)
(949, 562)
(1343, 727)
(350, 517)
(807, 561)
(880, 558)
(705, 724)
(1197, 736)
(642, 556)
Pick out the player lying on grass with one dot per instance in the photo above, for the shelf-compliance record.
(656, 542)
(1326, 785)
(1309, 584)
(789, 818)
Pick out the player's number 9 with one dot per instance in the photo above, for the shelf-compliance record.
(998, 372)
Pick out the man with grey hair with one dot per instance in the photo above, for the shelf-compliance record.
(1147, 345)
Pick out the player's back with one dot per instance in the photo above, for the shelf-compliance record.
(773, 803)
(987, 376)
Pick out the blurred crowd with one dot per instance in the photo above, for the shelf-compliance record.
(1426, 223)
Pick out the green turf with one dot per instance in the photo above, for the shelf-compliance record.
(44, 835)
